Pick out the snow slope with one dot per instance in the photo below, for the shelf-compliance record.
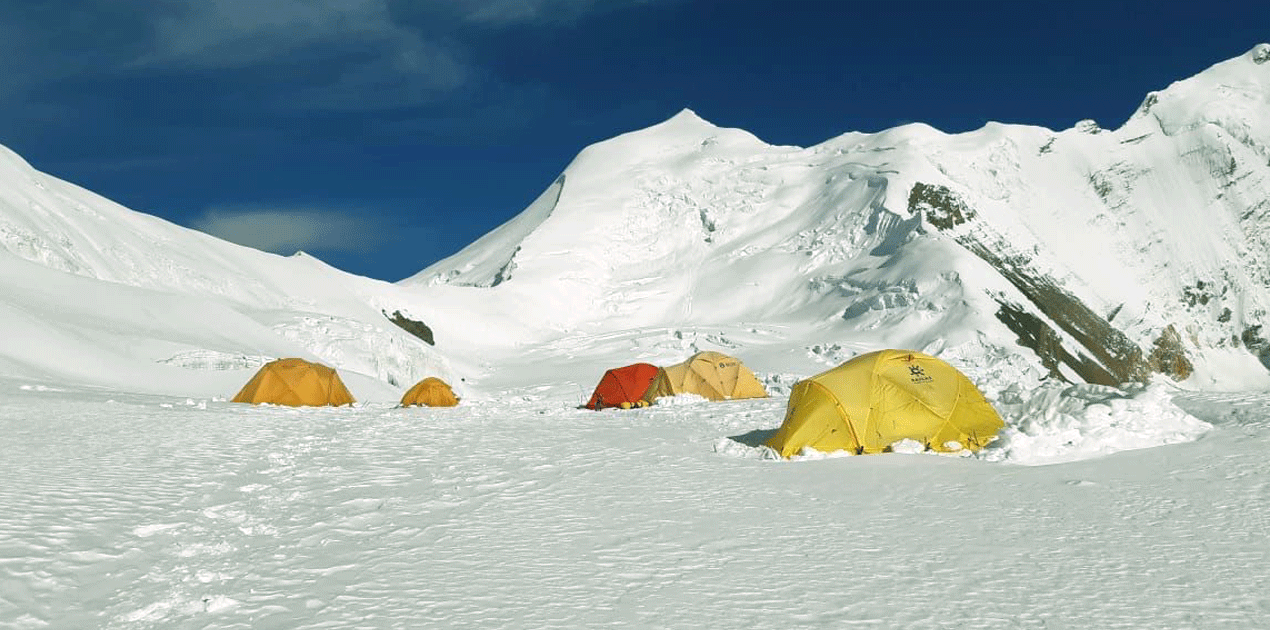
(95, 293)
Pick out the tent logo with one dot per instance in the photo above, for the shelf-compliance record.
(918, 375)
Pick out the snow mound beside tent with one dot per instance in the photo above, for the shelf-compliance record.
(1060, 424)
(1055, 424)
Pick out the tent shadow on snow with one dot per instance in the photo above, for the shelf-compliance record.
(755, 438)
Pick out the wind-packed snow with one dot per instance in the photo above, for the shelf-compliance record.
(133, 495)
(140, 512)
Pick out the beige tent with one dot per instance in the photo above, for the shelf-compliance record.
(430, 392)
(713, 375)
(296, 383)
(875, 400)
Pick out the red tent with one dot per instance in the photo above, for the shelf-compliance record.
(622, 385)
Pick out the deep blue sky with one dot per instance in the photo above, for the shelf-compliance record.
(383, 135)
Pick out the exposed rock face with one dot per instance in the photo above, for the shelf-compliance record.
(1036, 334)
(1169, 356)
(412, 326)
(941, 207)
(1260, 54)
(1104, 355)
(1257, 344)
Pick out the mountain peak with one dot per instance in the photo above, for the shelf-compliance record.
(688, 117)
(686, 123)
(687, 113)
(684, 133)
(1231, 94)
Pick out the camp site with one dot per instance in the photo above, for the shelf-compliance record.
(651, 315)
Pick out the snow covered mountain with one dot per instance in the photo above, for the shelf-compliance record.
(1016, 252)
(1096, 255)
(97, 294)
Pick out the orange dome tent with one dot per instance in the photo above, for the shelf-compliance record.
(430, 392)
(622, 385)
(295, 383)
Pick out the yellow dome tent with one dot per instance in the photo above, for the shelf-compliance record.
(713, 375)
(877, 399)
(430, 392)
(296, 383)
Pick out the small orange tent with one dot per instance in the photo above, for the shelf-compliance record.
(622, 385)
(430, 392)
(295, 383)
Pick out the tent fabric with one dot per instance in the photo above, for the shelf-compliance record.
(713, 375)
(430, 392)
(295, 383)
(877, 399)
(622, 385)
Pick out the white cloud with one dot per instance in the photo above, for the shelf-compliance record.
(285, 231)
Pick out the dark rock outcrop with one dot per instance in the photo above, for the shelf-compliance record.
(1105, 355)
(941, 207)
(412, 326)
(1256, 343)
(1169, 356)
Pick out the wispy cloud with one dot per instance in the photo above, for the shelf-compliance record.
(237, 33)
(506, 12)
(285, 231)
(344, 55)
(376, 55)
(114, 80)
(328, 54)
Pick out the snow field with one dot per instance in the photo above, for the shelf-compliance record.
(171, 513)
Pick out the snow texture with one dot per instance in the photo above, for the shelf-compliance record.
(132, 512)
